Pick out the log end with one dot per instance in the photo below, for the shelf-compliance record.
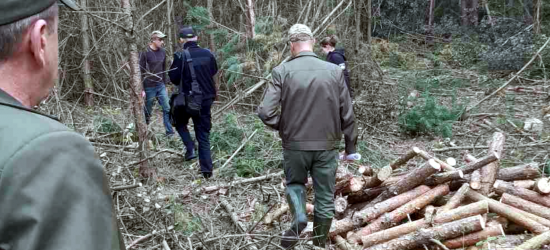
(434, 164)
(417, 150)
(542, 186)
(384, 173)
(451, 161)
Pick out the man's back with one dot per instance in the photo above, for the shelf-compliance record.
(314, 108)
(53, 192)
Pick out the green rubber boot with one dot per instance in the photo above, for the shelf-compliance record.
(321, 229)
(296, 198)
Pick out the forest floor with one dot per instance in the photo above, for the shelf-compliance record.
(176, 207)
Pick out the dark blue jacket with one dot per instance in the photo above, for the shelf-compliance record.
(337, 57)
(205, 66)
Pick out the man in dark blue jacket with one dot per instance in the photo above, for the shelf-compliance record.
(205, 67)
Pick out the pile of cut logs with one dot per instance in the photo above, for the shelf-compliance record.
(439, 205)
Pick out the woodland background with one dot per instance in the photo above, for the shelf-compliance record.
(419, 69)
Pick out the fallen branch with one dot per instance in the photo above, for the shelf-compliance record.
(119, 188)
(245, 181)
(236, 152)
(225, 204)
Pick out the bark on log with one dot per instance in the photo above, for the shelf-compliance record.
(409, 181)
(365, 195)
(535, 242)
(342, 244)
(343, 185)
(473, 238)
(513, 214)
(457, 198)
(489, 173)
(340, 205)
(445, 166)
(527, 184)
(542, 186)
(403, 159)
(506, 187)
(475, 180)
(423, 236)
(525, 205)
(523, 172)
(398, 231)
(394, 217)
(370, 213)
(429, 213)
(479, 207)
(270, 218)
(454, 175)
(510, 241)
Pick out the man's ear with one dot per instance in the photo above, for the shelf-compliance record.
(38, 40)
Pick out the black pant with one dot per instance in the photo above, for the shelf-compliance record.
(202, 125)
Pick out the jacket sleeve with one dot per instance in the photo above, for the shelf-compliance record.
(268, 109)
(175, 69)
(347, 118)
(54, 195)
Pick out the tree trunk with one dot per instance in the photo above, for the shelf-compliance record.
(135, 93)
(537, 16)
(410, 181)
(489, 173)
(88, 84)
(370, 213)
(457, 198)
(170, 45)
(458, 174)
(250, 32)
(429, 26)
(542, 186)
(523, 172)
(474, 238)
(357, 8)
(525, 205)
(515, 215)
(469, 12)
(369, 22)
(394, 217)
(506, 187)
(480, 207)
(423, 236)
(535, 242)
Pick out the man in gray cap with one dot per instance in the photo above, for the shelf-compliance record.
(53, 190)
(315, 108)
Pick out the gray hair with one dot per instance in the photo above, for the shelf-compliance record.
(11, 34)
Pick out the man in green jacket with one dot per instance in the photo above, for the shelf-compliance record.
(315, 108)
(53, 190)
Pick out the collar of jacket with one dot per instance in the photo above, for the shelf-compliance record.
(190, 45)
(303, 54)
(7, 100)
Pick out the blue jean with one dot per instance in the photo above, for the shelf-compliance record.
(160, 93)
(202, 124)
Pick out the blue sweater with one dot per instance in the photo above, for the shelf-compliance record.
(205, 66)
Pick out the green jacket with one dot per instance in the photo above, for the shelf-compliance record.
(53, 190)
(315, 106)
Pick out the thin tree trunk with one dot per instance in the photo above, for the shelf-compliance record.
(211, 25)
(537, 16)
(88, 84)
(369, 22)
(170, 44)
(135, 93)
(430, 28)
(357, 24)
(251, 33)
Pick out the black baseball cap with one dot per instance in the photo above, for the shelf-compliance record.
(15, 10)
(186, 32)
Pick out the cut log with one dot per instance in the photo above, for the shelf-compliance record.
(542, 186)
(525, 205)
(366, 170)
(445, 166)
(340, 227)
(429, 213)
(527, 184)
(409, 181)
(354, 184)
(456, 199)
(423, 236)
(535, 242)
(270, 218)
(403, 159)
(398, 231)
(384, 173)
(343, 184)
(394, 217)
(476, 208)
(451, 161)
(393, 233)
(507, 187)
(513, 214)
(443, 200)
(340, 205)
(475, 180)
(468, 158)
(342, 244)
(370, 213)
(510, 241)
(473, 238)
(523, 172)
(489, 172)
(454, 175)
(365, 195)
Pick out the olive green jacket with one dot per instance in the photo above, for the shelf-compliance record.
(315, 106)
(53, 190)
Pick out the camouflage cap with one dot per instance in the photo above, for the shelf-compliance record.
(299, 32)
(15, 10)
(157, 34)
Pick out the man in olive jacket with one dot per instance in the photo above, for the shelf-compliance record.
(315, 108)
(53, 190)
